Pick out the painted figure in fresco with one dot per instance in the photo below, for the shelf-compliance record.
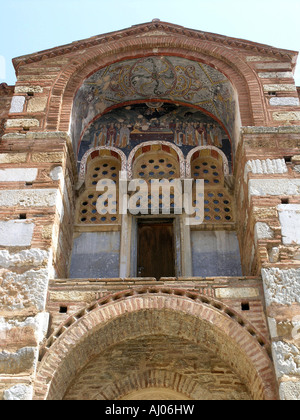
(201, 135)
(111, 135)
(101, 141)
(124, 136)
(190, 134)
(210, 134)
(216, 135)
(179, 136)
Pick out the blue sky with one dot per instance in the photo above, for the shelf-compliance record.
(28, 26)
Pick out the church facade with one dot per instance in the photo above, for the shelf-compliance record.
(150, 220)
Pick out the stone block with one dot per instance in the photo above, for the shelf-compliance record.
(18, 175)
(27, 258)
(290, 391)
(56, 173)
(281, 286)
(16, 233)
(96, 255)
(28, 89)
(254, 58)
(289, 216)
(20, 392)
(280, 88)
(13, 157)
(50, 157)
(19, 292)
(284, 102)
(274, 187)
(215, 254)
(273, 66)
(16, 334)
(37, 104)
(276, 75)
(21, 361)
(286, 359)
(22, 123)
(237, 293)
(263, 231)
(286, 116)
(29, 198)
(266, 166)
(17, 104)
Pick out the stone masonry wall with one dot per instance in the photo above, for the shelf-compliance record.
(36, 210)
(268, 196)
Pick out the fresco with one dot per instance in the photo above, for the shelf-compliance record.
(129, 126)
(167, 79)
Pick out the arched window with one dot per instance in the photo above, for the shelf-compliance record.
(208, 164)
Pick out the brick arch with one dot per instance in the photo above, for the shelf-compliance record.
(148, 146)
(199, 149)
(151, 379)
(141, 312)
(96, 152)
(226, 61)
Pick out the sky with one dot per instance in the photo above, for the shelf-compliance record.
(28, 26)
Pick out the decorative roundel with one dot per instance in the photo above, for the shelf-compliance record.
(153, 77)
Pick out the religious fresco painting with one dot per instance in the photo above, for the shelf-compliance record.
(162, 98)
(131, 125)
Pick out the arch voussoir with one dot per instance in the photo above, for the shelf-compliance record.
(141, 313)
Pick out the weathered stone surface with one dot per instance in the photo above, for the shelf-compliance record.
(56, 173)
(55, 157)
(37, 104)
(26, 258)
(29, 89)
(22, 122)
(280, 88)
(21, 361)
(253, 58)
(273, 66)
(22, 291)
(236, 293)
(215, 254)
(289, 216)
(18, 393)
(17, 104)
(96, 255)
(287, 359)
(281, 286)
(263, 231)
(31, 331)
(16, 233)
(290, 391)
(268, 166)
(29, 198)
(275, 187)
(284, 101)
(13, 157)
(18, 175)
(286, 116)
(276, 75)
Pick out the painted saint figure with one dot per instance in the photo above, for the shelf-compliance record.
(111, 135)
(124, 136)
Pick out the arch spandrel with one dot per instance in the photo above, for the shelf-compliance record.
(143, 313)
